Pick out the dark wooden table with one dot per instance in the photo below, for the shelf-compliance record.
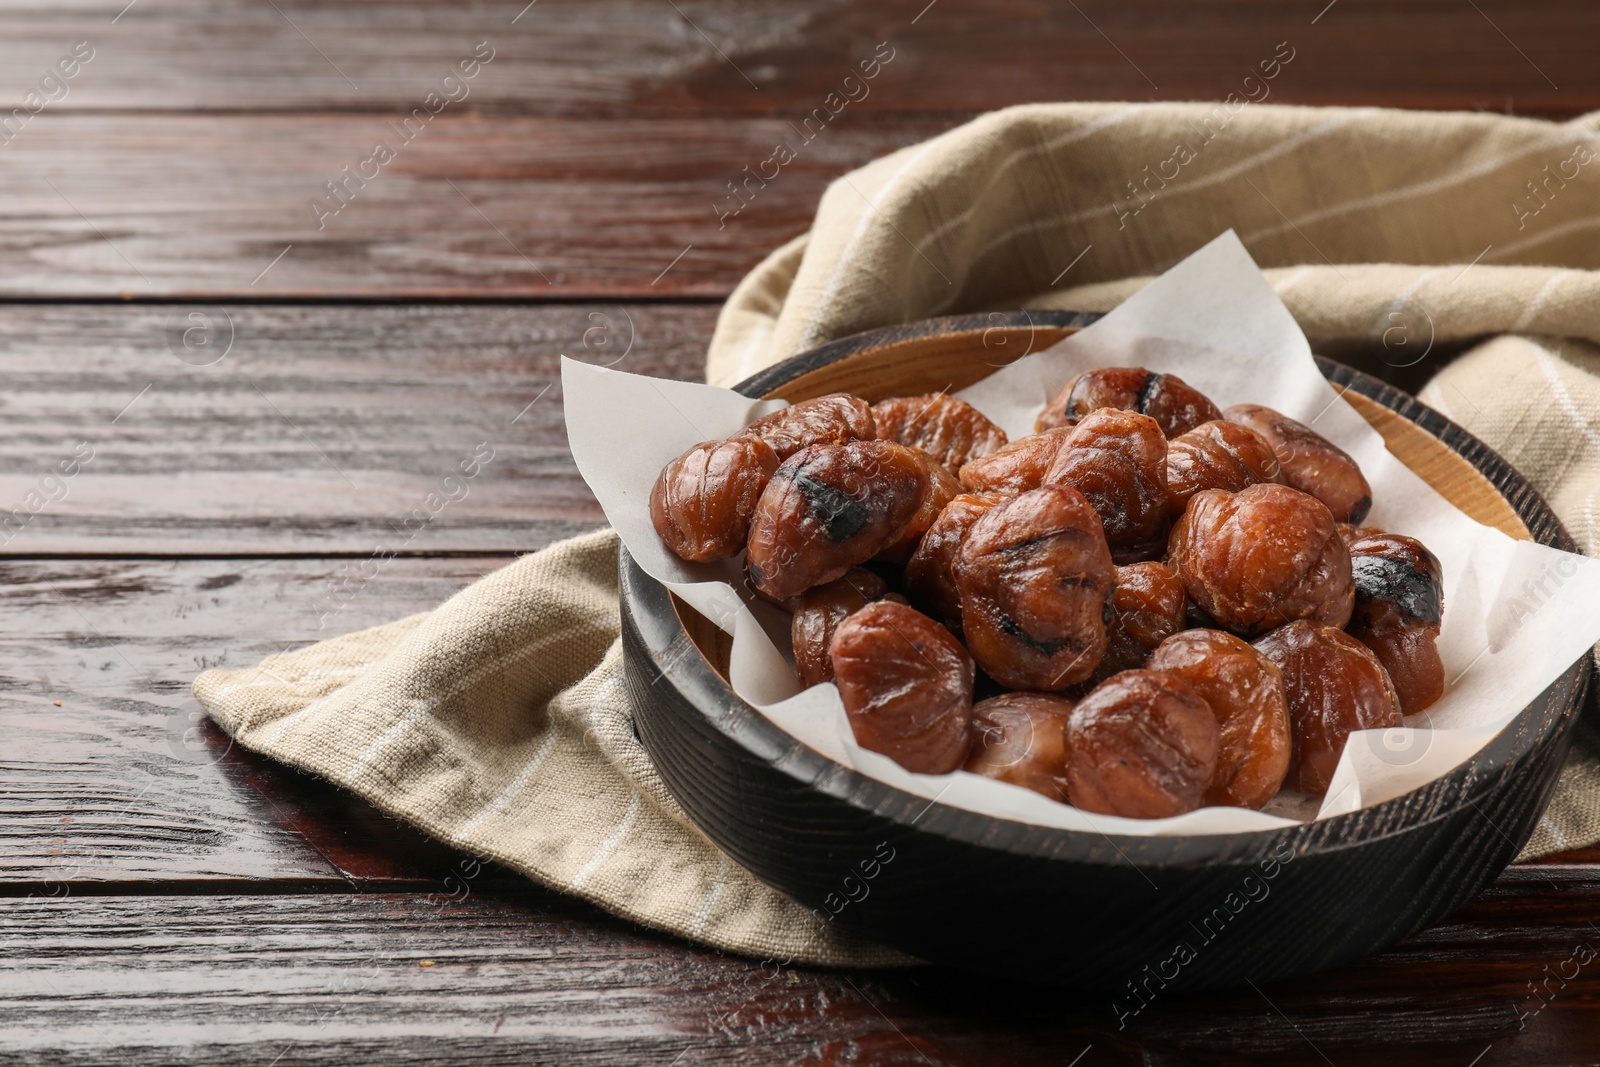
(269, 370)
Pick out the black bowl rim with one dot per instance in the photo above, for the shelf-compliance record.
(650, 607)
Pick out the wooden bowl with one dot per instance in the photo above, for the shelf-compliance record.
(1131, 916)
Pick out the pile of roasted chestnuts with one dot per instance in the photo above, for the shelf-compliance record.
(1148, 606)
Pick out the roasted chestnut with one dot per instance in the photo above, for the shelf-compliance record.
(1399, 606)
(826, 420)
(1118, 461)
(1034, 574)
(906, 684)
(702, 501)
(1177, 406)
(942, 488)
(1013, 547)
(930, 575)
(948, 428)
(1333, 684)
(1349, 533)
(1018, 738)
(1142, 745)
(828, 508)
(818, 613)
(1261, 557)
(1018, 467)
(1311, 463)
(1245, 692)
(1217, 455)
(1147, 607)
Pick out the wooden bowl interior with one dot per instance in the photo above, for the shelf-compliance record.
(955, 360)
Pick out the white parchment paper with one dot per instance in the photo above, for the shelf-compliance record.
(1516, 613)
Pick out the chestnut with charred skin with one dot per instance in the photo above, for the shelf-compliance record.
(1334, 685)
(948, 428)
(1311, 463)
(1262, 557)
(1034, 574)
(1245, 692)
(1117, 708)
(828, 508)
(906, 684)
(1399, 606)
(1142, 745)
(1018, 738)
(702, 502)
(1118, 461)
(1177, 406)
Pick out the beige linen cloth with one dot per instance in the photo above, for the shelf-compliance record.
(499, 722)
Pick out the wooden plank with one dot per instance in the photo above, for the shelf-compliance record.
(110, 773)
(1504, 973)
(633, 57)
(494, 975)
(322, 430)
(202, 206)
(232, 206)
(297, 979)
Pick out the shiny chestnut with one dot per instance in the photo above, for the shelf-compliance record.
(1177, 406)
(906, 684)
(1262, 557)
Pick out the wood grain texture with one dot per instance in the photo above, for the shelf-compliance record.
(540, 208)
(615, 157)
(633, 57)
(183, 901)
(323, 430)
(111, 775)
(519, 978)
(947, 353)
(523, 976)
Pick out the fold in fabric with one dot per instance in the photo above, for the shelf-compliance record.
(499, 723)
